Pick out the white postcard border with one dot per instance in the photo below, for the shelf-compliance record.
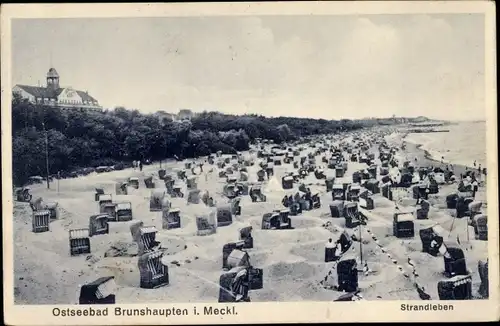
(476, 310)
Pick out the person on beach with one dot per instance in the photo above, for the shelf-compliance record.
(308, 195)
(468, 178)
(330, 244)
(461, 185)
(140, 166)
(447, 174)
(434, 246)
(240, 286)
(330, 250)
(475, 187)
(474, 163)
(421, 293)
(343, 244)
(285, 201)
(133, 164)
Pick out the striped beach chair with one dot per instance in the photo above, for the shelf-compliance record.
(104, 199)
(41, 221)
(148, 181)
(456, 288)
(79, 242)
(123, 211)
(147, 238)
(206, 224)
(53, 207)
(100, 291)
(224, 215)
(194, 196)
(98, 193)
(246, 237)
(153, 273)
(109, 209)
(171, 219)
(227, 249)
(98, 224)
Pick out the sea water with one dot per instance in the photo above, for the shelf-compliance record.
(463, 144)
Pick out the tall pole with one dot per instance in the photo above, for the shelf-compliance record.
(360, 246)
(467, 230)
(46, 154)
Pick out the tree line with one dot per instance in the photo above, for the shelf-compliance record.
(78, 139)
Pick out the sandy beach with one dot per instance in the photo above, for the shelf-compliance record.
(413, 151)
(292, 260)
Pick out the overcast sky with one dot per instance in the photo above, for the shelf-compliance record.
(331, 67)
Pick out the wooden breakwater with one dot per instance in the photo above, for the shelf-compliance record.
(420, 131)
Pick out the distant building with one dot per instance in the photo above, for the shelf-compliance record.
(54, 95)
(185, 114)
(182, 115)
(165, 116)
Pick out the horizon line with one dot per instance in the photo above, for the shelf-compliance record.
(268, 116)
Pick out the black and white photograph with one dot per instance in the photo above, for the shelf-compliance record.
(235, 159)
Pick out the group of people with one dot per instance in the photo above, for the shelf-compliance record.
(334, 250)
(480, 171)
(137, 164)
(293, 202)
(469, 179)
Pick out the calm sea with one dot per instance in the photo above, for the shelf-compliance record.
(465, 143)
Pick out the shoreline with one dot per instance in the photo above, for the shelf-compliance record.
(293, 267)
(423, 155)
(436, 154)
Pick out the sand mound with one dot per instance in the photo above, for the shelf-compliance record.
(267, 295)
(274, 187)
(382, 202)
(202, 264)
(292, 260)
(22, 212)
(296, 270)
(312, 252)
(122, 249)
(124, 270)
(207, 292)
(302, 222)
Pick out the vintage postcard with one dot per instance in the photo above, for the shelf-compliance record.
(249, 163)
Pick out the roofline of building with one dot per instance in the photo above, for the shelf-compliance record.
(76, 90)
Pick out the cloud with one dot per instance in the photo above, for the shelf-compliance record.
(321, 66)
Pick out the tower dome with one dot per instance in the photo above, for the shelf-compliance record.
(52, 79)
(52, 73)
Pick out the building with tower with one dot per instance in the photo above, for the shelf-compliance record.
(55, 95)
